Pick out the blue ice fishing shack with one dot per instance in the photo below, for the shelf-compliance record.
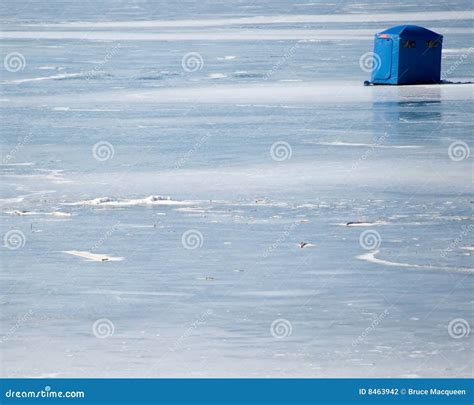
(407, 54)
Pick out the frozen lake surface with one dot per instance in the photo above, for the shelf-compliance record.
(209, 190)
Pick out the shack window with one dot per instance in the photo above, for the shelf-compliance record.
(408, 43)
(432, 44)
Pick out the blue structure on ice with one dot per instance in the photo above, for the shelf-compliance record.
(407, 54)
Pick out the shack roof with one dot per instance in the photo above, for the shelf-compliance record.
(411, 31)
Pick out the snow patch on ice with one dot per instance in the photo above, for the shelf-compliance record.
(370, 257)
(138, 293)
(28, 213)
(151, 200)
(94, 256)
(37, 79)
(361, 223)
(217, 76)
(368, 145)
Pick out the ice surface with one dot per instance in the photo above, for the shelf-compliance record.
(271, 143)
(445, 15)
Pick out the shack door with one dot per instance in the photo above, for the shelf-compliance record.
(383, 66)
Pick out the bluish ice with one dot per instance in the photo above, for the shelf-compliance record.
(163, 164)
